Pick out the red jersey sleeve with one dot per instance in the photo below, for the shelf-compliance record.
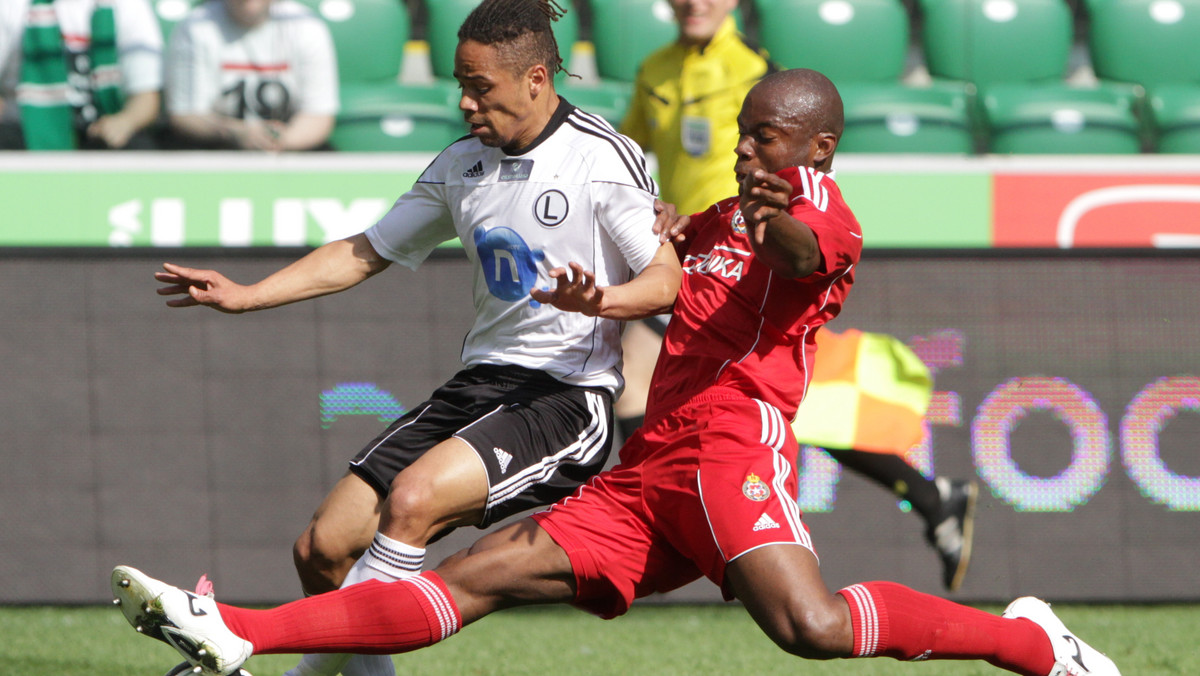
(817, 202)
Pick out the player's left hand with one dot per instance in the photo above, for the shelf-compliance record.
(763, 197)
(574, 291)
(668, 224)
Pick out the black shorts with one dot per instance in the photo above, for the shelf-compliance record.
(539, 438)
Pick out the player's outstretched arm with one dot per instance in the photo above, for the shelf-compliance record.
(333, 267)
(650, 293)
(780, 240)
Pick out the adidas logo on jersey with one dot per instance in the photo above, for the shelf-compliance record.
(765, 522)
(475, 171)
(504, 458)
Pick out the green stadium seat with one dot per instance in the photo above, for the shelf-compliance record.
(1154, 44)
(1175, 109)
(836, 33)
(1053, 119)
(1016, 52)
(368, 35)
(446, 16)
(986, 41)
(892, 118)
(608, 99)
(398, 118)
(1149, 42)
(625, 32)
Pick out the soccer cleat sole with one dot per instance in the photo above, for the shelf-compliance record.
(968, 538)
(189, 669)
(140, 606)
(195, 650)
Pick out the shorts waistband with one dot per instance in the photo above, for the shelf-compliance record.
(714, 393)
(509, 373)
(512, 375)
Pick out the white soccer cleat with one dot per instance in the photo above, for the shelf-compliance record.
(1072, 657)
(190, 623)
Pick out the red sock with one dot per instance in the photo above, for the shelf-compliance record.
(371, 617)
(891, 620)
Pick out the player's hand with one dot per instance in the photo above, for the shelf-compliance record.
(201, 287)
(763, 197)
(574, 291)
(669, 225)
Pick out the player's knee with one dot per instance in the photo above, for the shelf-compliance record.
(811, 633)
(412, 510)
(321, 562)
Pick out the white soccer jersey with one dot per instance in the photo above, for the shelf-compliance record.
(284, 66)
(580, 193)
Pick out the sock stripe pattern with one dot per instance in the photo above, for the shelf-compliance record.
(864, 615)
(442, 606)
(396, 558)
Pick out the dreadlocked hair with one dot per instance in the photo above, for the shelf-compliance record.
(520, 29)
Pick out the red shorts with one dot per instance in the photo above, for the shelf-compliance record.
(695, 489)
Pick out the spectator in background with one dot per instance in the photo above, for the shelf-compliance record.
(253, 75)
(79, 74)
(684, 110)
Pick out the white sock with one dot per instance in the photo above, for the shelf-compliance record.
(386, 560)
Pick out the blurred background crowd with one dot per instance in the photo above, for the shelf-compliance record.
(932, 76)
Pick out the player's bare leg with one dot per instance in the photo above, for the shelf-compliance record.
(518, 565)
(782, 589)
(640, 346)
(339, 532)
(447, 486)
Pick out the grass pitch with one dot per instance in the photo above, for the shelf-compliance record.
(658, 640)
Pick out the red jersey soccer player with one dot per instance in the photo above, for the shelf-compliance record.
(705, 488)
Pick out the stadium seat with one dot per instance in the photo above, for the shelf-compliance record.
(1175, 109)
(608, 99)
(625, 32)
(892, 118)
(1054, 119)
(368, 35)
(836, 33)
(986, 41)
(446, 16)
(1149, 42)
(1153, 43)
(398, 118)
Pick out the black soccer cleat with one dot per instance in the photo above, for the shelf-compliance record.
(954, 531)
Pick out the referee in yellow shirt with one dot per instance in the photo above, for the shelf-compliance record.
(686, 101)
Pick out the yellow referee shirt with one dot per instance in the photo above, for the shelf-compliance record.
(684, 110)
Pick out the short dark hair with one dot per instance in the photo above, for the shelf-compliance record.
(521, 29)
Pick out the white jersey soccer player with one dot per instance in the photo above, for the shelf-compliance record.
(580, 193)
(284, 66)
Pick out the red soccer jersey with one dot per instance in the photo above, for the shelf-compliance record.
(737, 324)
